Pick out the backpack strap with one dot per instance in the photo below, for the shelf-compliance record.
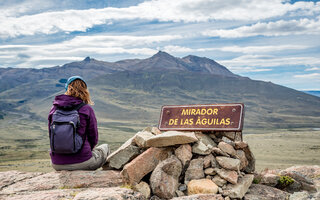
(79, 106)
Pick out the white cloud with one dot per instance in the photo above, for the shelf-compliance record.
(262, 48)
(313, 69)
(175, 48)
(236, 49)
(312, 76)
(14, 9)
(278, 28)
(99, 46)
(248, 69)
(259, 61)
(162, 10)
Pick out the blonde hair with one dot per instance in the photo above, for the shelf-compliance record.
(78, 88)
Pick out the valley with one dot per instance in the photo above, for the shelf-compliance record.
(128, 97)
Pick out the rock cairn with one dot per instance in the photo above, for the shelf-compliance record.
(165, 165)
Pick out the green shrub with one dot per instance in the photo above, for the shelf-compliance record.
(285, 181)
(256, 180)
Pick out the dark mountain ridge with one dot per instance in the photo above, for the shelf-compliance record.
(90, 68)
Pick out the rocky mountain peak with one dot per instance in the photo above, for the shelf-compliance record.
(162, 54)
(87, 59)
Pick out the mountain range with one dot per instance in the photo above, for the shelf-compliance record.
(133, 91)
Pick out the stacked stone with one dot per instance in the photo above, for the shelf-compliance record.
(177, 164)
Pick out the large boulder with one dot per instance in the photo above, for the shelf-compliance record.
(170, 138)
(145, 163)
(164, 178)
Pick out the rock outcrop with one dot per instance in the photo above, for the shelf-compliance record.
(294, 183)
(187, 166)
(63, 185)
(178, 164)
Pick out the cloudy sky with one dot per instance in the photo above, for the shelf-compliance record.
(270, 40)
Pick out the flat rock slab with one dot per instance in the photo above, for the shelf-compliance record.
(86, 179)
(63, 179)
(41, 195)
(228, 163)
(141, 137)
(170, 138)
(109, 193)
(48, 181)
(11, 177)
(145, 163)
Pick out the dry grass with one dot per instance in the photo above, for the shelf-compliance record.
(284, 148)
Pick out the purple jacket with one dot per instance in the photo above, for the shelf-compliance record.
(88, 128)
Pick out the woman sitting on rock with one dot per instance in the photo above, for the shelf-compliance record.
(73, 130)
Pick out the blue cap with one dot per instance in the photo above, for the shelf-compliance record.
(72, 78)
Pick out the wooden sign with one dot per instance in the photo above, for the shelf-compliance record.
(215, 117)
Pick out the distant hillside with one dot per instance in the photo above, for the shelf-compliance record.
(313, 92)
(134, 91)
